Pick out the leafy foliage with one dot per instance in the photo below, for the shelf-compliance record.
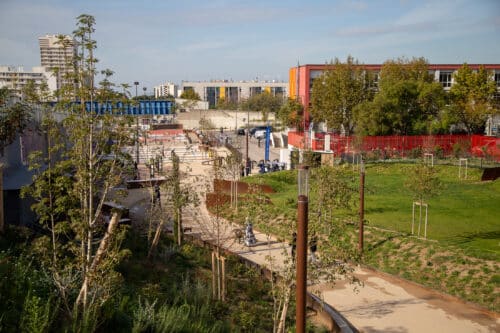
(408, 101)
(264, 102)
(190, 94)
(338, 91)
(290, 114)
(14, 118)
(472, 98)
(223, 104)
(423, 182)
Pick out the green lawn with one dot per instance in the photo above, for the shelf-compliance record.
(465, 213)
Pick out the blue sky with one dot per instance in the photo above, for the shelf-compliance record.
(157, 41)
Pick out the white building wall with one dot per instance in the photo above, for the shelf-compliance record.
(15, 78)
(166, 89)
(244, 88)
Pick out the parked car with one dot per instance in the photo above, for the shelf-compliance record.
(259, 128)
(260, 134)
(241, 131)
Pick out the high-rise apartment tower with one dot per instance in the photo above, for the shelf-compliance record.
(57, 53)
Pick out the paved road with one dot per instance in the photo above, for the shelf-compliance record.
(255, 152)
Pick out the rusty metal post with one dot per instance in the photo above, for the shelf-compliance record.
(361, 207)
(301, 284)
(247, 134)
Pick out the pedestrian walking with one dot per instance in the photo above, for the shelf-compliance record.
(313, 246)
(248, 167)
(157, 196)
(294, 245)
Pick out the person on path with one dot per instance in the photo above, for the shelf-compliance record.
(157, 196)
(313, 246)
(294, 245)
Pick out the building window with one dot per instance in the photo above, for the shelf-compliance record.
(445, 79)
(374, 76)
(497, 79)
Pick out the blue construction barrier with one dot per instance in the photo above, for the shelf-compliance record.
(142, 108)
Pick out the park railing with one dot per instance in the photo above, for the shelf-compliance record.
(399, 145)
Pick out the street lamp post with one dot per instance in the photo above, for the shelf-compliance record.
(361, 205)
(302, 221)
(148, 120)
(247, 134)
(136, 83)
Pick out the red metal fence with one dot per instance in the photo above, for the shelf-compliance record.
(399, 145)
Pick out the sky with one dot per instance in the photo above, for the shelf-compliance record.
(158, 41)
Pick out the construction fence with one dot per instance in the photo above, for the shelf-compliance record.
(399, 145)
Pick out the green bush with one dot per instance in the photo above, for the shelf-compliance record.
(415, 153)
(461, 148)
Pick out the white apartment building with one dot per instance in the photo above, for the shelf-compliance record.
(55, 54)
(15, 78)
(166, 89)
(234, 91)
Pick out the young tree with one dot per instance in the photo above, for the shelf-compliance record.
(223, 104)
(290, 114)
(337, 92)
(83, 164)
(472, 98)
(331, 203)
(264, 102)
(190, 94)
(423, 183)
(14, 118)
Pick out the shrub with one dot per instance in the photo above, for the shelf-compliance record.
(438, 152)
(461, 148)
(415, 152)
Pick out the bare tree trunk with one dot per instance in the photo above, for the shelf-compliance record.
(214, 275)
(179, 226)
(156, 238)
(218, 276)
(223, 278)
(101, 251)
(286, 302)
(1, 201)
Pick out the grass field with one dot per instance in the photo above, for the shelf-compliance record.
(466, 212)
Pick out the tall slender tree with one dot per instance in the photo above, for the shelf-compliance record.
(73, 181)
